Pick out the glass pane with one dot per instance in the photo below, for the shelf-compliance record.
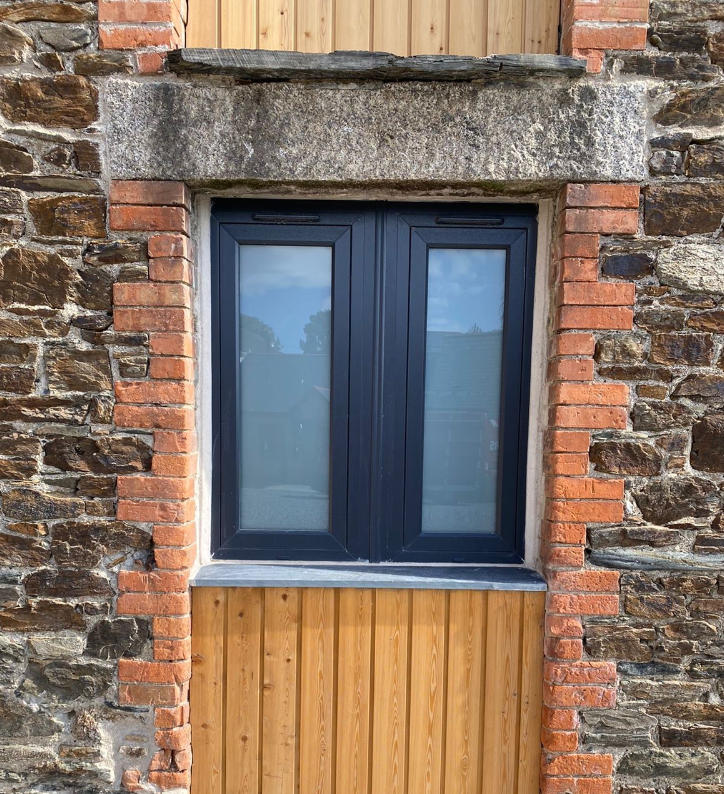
(463, 360)
(285, 338)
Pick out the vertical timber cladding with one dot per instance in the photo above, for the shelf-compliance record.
(403, 27)
(356, 691)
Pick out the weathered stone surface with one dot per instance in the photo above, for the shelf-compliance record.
(67, 583)
(61, 101)
(69, 216)
(92, 322)
(13, 44)
(693, 266)
(32, 10)
(636, 372)
(620, 349)
(368, 133)
(705, 160)
(655, 605)
(69, 679)
(632, 536)
(683, 208)
(103, 455)
(664, 162)
(667, 67)
(660, 415)
(619, 728)
(691, 348)
(15, 159)
(707, 388)
(94, 290)
(34, 277)
(607, 641)
(43, 409)
(684, 764)
(625, 457)
(82, 544)
(16, 550)
(694, 107)
(708, 321)
(17, 353)
(628, 266)
(52, 183)
(98, 64)
(111, 639)
(707, 445)
(66, 37)
(19, 380)
(41, 615)
(87, 156)
(78, 370)
(116, 252)
(659, 318)
(20, 720)
(668, 499)
(28, 505)
(56, 645)
(715, 46)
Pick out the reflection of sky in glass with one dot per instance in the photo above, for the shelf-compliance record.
(466, 288)
(283, 285)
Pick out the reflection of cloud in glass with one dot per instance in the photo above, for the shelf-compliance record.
(466, 288)
(265, 267)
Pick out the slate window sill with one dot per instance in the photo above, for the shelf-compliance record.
(367, 576)
(261, 66)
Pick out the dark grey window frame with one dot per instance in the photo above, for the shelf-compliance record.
(378, 352)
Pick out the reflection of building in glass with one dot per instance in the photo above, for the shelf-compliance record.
(462, 408)
(285, 420)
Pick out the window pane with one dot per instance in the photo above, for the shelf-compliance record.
(463, 360)
(285, 337)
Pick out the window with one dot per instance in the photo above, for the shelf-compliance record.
(371, 369)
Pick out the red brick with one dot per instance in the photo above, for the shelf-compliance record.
(150, 62)
(564, 557)
(145, 294)
(594, 604)
(173, 627)
(154, 416)
(170, 780)
(580, 673)
(597, 294)
(131, 780)
(576, 269)
(171, 344)
(593, 58)
(161, 760)
(148, 192)
(145, 486)
(174, 534)
(165, 245)
(582, 765)
(563, 626)
(154, 392)
(559, 719)
(590, 394)
(174, 738)
(579, 696)
(606, 37)
(171, 717)
(596, 418)
(171, 368)
(611, 318)
(150, 511)
(167, 441)
(571, 369)
(578, 245)
(182, 759)
(559, 741)
(175, 465)
(135, 37)
(577, 785)
(567, 464)
(158, 319)
(562, 648)
(577, 488)
(568, 440)
(172, 649)
(135, 670)
(606, 195)
(585, 581)
(170, 269)
(153, 581)
(606, 11)
(138, 218)
(175, 558)
(153, 604)
(566, 532)
(148, 695)
(588, 511)
(573, 344)
(600, 221)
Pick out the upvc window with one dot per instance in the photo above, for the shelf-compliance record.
(371, 373)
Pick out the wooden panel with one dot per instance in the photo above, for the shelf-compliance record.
(316, 737)
(279, 693)
(391, 677)
(321, 691)
(244, 609)
(208, 634)
(430, 27)
(354, 681)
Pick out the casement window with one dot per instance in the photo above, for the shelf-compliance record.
(371, 373)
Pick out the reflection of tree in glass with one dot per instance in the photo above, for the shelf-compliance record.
(317, 333)
(474, 329)
(258, 337)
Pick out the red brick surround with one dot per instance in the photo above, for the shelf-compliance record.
(575, 498)
(164, 497)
